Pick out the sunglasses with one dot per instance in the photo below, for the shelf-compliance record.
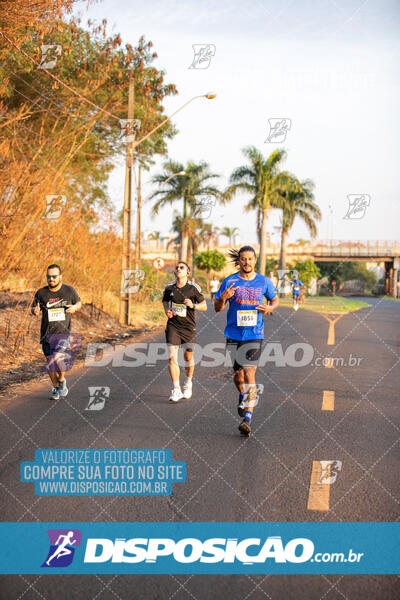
(52, 276)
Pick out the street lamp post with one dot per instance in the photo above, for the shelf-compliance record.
(131, 147)
(180, 174)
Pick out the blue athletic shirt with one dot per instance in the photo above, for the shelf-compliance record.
(244, 321)
(296, 282)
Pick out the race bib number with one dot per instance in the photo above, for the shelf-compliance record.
(296, 288)
(56, 314)
(246, 318)
(179, 310)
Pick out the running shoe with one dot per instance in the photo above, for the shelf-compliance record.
(55, 393)
(187, 390)
(176, 395)
(62, 388)
(296, 307)
(241, 407)
(245, 427)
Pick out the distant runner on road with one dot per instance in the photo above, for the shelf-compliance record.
(244, 331)
(296, 288)
(214, 285)
(57, 302)
(180, 300)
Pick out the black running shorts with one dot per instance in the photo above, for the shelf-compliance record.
(244, 353)
(176, 338)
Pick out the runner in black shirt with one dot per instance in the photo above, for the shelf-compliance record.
(57, 302)
(180, 300)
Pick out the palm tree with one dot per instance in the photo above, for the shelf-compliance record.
(156, 236)
(230, 233)
(187, 188)
(258, 179)
(296, 199)
(209, 234)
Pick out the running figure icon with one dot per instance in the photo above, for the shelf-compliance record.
(62, 549)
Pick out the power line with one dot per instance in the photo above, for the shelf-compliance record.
(59, 80)
(59, 104)
(31, 131)
(34, 102)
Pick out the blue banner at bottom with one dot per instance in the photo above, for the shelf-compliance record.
(203, 548)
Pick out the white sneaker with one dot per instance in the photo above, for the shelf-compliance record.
(55, 393)
(176, 395)
(296, 307)
(62, 388)
(187, 390)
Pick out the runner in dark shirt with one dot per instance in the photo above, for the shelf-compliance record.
(180, 300)
(56, 302)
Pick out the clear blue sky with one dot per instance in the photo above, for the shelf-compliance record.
(328, 65)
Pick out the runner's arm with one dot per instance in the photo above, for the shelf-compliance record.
(219, 305)
(201, 306)
(35, 308)
(74, 307)
(167, 310)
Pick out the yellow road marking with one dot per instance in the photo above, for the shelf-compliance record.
(331, 332)
(328, 362)
(328, 400)
(318, 495)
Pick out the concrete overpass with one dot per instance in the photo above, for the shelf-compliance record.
(385, 251)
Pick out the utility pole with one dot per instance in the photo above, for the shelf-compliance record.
(138, 246)
(126, 238)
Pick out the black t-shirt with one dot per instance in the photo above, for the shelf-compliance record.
(52, 305)
(184, 317)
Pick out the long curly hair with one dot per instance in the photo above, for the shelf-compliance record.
(235, 254)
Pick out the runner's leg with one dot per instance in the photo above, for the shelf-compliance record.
(250, 386)
(189, 363)
(51, 370)
(173, 364)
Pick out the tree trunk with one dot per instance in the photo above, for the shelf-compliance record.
(184, 247)
(259, 226)
(263, 241)
(282, 257)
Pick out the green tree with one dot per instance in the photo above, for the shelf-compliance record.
(271, 264)
(344, 271)
(258, 179)
(295, 198)
(188, 189)
(307, 270)
(209, 260)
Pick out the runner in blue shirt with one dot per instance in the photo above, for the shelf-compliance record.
(244, 331)
(296, 285)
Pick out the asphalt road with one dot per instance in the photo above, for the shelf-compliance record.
(263, 478)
